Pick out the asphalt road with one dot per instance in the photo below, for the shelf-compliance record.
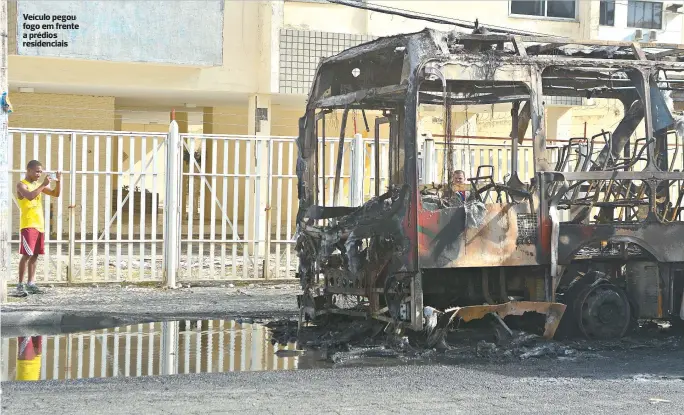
(255, 301)
(643, 377)
(647, 385)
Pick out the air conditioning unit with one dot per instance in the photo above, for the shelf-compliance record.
(673, 6)
(652, 36)
(638, 35)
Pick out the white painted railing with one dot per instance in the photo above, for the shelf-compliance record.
(236, 199)
(107, 223)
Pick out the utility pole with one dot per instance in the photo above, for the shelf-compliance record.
(5, 231)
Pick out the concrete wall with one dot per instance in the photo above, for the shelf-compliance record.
(65, 111)
(312, 16)
(316, 17)
(71, 112)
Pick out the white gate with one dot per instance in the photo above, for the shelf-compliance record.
(238, 207)
(107, 223)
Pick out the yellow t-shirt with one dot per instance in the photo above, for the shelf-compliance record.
(29, 369)
(31, 211)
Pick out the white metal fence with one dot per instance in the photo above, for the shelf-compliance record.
(239, 201)
(107, 223)
(237, 197)
(468, 157)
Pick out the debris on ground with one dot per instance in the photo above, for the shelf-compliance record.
(345, 341)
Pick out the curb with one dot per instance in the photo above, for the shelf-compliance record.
(30, 318)
(27, 331)
(238, 282)
(53, 322)
(30, 323)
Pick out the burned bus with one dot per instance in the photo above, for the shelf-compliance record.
(593, 240)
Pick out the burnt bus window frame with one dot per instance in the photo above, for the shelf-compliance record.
(460, 84)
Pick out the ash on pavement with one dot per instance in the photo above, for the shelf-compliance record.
(345, 342)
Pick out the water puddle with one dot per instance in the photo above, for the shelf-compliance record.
(150, 349)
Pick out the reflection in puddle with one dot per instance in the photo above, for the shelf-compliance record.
(148, 349)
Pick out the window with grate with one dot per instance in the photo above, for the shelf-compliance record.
(607, 16)
(302, 50)
(563, 9)
(563, 101)
(645, 14)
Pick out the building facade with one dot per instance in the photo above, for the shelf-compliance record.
(241, 68)
(129, 63)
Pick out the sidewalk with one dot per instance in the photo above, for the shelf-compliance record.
(151, 304)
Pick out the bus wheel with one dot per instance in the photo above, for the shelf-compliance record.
(602, 311)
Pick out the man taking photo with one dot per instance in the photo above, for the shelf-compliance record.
(32, 223)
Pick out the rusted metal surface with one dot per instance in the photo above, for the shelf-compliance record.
(477, 235)
(663, 241)
(553, 312)
(643, 279)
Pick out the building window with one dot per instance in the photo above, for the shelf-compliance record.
(607, 17)
(645, 14)
(563, 9)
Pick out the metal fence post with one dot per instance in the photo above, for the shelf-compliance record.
(172, 210)
(169, 347)
(72, 208)
(269, 224)
(356, 185)
(428, 159)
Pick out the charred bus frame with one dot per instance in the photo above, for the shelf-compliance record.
(416, 262)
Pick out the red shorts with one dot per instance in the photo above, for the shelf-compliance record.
(29, 347)
(31, 242)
